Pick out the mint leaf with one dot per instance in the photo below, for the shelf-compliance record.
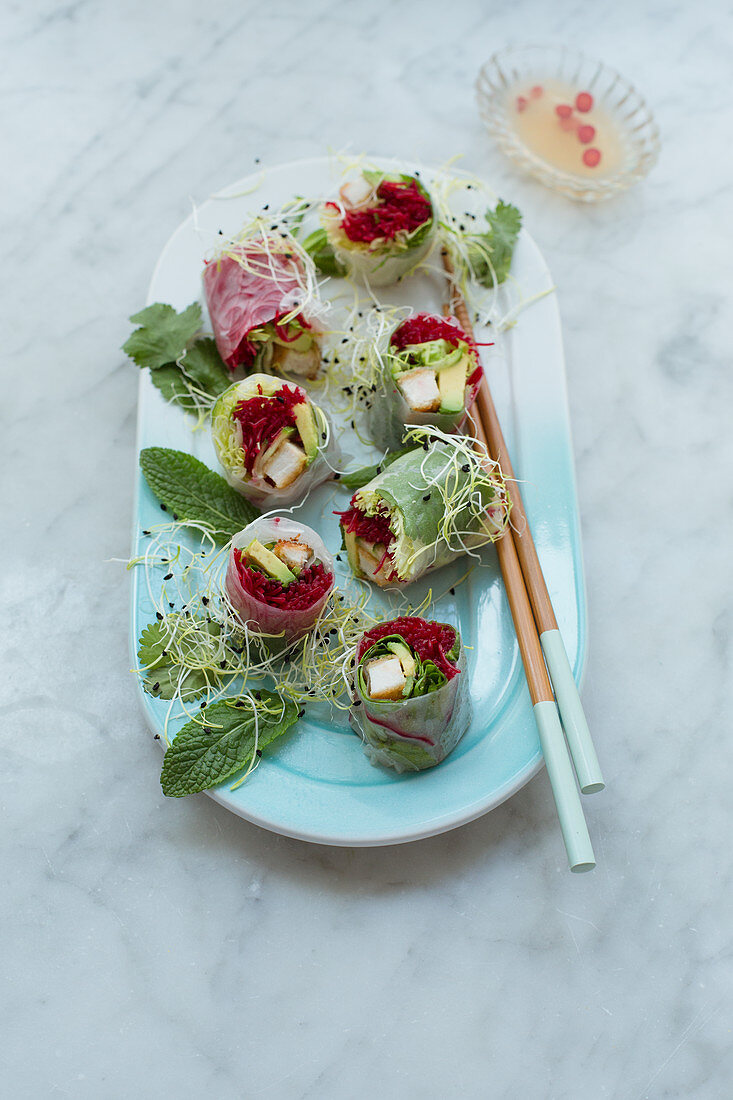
(222, 741)
(193, 492)
(167, 660)
(322, 254)
(490, 254)
(163, 335)
(357, 479)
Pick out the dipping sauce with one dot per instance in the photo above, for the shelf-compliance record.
(564, 126)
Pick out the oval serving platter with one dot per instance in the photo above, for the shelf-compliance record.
(318, 785)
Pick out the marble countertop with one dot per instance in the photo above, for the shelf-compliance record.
(156, 947)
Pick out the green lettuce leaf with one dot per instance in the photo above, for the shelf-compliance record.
(194, 493)
(490, 254)
(320, 251)
(203, 755)
(163, 335)
(357, 479)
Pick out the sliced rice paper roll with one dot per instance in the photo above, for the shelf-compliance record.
(272, 441)
(279, 577)
(382, 226)
(429, 373)
(425, 510)
(412, 686)
(257, 290)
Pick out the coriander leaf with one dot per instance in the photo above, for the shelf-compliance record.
(490, 253)
(203, 755)
(163, 335)
(194, 493)
(203, 365)
(320, 251)
(174, 386)
(171, 663)
(357, 479)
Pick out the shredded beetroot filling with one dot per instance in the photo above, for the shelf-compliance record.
(312, 584)
(431, 641)
(402, 206)
(262, 418)
(426, 326)
(372, 528)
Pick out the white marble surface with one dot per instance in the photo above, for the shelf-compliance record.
(157, 948)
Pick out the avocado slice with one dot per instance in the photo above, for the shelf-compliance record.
(406, 659)
(306, 424)
(268, 562)
(452, 386)
(351, 551)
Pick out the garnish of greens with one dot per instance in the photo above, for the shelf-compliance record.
(190, 491)
(320, 251)
(184, 365)
(225, 738)
(489, 254)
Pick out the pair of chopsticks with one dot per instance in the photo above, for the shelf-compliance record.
(540, 642)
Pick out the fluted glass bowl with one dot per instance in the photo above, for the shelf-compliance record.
(514, 68)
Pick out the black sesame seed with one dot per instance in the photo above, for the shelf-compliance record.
(158, 616)
(357, 702)
(258, 752)
(337, 477)
(222, 664)
(146, 532)
(427, 496)
(156, 737)
(156, 685)
(466, 468)
(266, 206)
(167, 577)
(452, 591)
(171, 604)
(338, 557)
(205, 601)
(301, 713)
(163, 508)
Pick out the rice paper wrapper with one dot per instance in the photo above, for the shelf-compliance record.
(382, 268)
(414, 734)
(240, 300)
(390, 415)
(257, 489)
(261, 617)
(404, 486)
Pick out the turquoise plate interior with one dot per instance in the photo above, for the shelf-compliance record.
(318, 785)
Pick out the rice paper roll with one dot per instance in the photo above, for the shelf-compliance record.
(425, 510)
(272, 605)
(256, 293)
(272, 441)
(382, 226)
(411, 686)
(429, 373)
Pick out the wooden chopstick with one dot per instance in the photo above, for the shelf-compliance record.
(559, 769)
(576, 728)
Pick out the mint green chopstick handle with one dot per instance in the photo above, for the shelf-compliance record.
(573, 717)
(567, 800)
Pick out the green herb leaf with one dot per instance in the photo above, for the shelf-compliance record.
(357, 479)
(194, 493)
(167, 659)
(203, 365)
(490, 254)
(320, 251)
(222, 741)
(163, 335)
